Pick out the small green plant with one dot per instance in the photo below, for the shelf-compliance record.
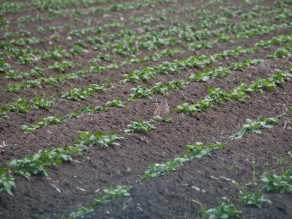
(166, 119)
(6, 182)
(3, 114)
(42, 103)
(254, 126)
(139, 126)
(18, 106)
(116, 103)
(103, 140)
(254, 199)
(140, 92)
(275, 183)
(196, 151)
(224, 211)
(61, 66)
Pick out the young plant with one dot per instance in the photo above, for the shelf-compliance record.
(196, 151)
(6, 182)
(42, 103)
(224, 211)
(116, 103)
(3, 114)
(19, 106)
(254, 199)
(140, 92)
(139, 126)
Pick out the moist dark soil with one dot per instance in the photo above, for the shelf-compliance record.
(210, 180)
(170, 196)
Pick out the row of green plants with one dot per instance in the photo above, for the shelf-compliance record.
(56, 119)
(35, 164)
(159, 88)
(238, 94)
(111, 193)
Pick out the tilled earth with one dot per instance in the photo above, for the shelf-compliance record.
(173, 195)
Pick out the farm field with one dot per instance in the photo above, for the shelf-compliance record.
(80, 81)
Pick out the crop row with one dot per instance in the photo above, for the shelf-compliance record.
(239, 93)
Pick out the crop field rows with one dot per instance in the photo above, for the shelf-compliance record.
(79, 81)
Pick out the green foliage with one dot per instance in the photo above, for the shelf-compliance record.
(139, 126)
(105, 57)
(224, 211)
(43, 122)
(284, 52)
(14, 87)
(18, 106)
(3, 114)
(87, 110)
(166, 119)
(223, 38)
(202, 105)
(197, 45)
(254, 199)
(196, 151)
(77, 93)
(209, 74)
(80, 212)
(102, 140)
(37, 71)
(263, 44)
(32, 83)
(4, 66)
(216, 95)
(159, 88)
(140, 92)
(6, 182)
(61, 66)
(139, 75)
(243, 64)
(112, 193)
(254, 126)
(28, 166)
(216, 146)
(275, 183)
(42, 103)
(116, 103)
(34, 165)
(156, 170)
(238, 94)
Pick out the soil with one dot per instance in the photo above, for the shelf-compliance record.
(172, 195)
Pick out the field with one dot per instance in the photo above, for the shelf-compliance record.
(79, 81)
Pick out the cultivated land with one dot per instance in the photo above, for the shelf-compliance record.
(78, 82)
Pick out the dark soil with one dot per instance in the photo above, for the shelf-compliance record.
(170, 196)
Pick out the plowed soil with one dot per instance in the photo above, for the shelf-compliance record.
(173, 195)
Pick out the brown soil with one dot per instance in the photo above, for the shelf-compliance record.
(170, 196)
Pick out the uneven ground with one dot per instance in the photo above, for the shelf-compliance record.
(169, 196)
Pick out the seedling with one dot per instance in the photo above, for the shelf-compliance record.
(116, 103)
(139, 126)
(224, 211)
(254, 199)
(6, 182)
